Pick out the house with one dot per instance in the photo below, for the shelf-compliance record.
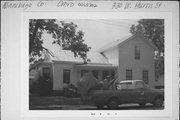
(66, 69)
(128, 58)
(134, 56)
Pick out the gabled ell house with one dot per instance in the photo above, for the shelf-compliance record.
(129, 58)
(134, 56)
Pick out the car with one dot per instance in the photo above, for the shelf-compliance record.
(128, 91)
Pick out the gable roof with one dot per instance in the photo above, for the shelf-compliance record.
(113, 44)
(124, 40)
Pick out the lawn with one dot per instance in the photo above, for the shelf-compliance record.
(35, 101)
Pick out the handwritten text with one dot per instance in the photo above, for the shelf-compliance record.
(25, 5)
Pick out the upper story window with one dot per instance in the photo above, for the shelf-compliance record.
(137, 52)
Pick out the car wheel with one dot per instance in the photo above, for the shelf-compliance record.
(158, 102)
(100, 106)
(142, 104)
(113, 104)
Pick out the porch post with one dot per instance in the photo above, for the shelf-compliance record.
(100, 75)
(53, 75)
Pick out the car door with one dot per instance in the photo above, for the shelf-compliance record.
(126, 93)
(140, 92)
(149, 95)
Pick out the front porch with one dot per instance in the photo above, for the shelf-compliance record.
(100, 71)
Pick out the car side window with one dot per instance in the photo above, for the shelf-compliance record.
(139, 85)
(121, 86)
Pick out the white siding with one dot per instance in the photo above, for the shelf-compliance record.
(58, 75)
(112, 55)
(127, 60)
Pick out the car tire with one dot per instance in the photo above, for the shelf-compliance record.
(158, 102)
(100, 106)
(113, 103)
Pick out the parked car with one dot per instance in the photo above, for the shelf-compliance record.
(128, 91)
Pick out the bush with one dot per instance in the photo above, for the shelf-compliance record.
(44, 86)
(70, 91)
(34, 87)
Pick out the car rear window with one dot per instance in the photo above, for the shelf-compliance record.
(126, 85)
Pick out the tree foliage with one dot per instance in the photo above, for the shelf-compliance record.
(153, 29)
(65, 34)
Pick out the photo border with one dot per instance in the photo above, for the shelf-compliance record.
(169, 43)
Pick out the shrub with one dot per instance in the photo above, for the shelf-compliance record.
(70, 91)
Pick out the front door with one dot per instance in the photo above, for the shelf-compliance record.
(47, 79)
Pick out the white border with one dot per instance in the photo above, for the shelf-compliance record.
(97, 15)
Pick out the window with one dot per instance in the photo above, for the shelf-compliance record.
(105, 74)
(46, 71)
(112, 74)
(137, 52)
(145, 76)
(95, 73)
(128, 74)
(83, 72)
(66, 76)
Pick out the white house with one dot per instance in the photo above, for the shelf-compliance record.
(129, 58)
(134, 56)
(66, 69)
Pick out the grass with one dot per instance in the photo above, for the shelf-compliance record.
(52, 100)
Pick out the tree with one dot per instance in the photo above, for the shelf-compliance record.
(64, 34)
(153, 29)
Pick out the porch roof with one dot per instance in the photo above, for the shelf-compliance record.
(96, 66)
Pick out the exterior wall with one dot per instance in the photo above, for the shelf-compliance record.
(112, 55)
(32, 78)
(42, 65)
(58, 75)
(34, 75)
(127, 60)
(75, 74)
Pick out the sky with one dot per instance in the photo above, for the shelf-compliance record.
(99, 32)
